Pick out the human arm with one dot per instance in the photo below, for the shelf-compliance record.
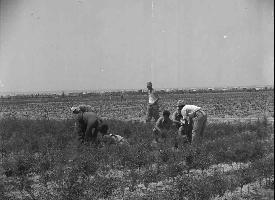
(184, 114)
(156, 97)
(175, 118)
(158, 125)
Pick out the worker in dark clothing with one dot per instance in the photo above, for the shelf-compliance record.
(163, 127)
(88, 125)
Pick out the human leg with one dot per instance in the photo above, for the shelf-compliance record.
(149, 114)
(198, 122)
(203, 125)
(155, 112)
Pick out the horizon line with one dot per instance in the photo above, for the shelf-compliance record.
(124, 89)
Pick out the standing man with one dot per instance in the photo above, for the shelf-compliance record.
(197, 117)
(152, 107)
(183, 128)
(88, 124)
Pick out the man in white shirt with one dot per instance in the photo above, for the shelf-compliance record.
(153, 107)
(199, 118)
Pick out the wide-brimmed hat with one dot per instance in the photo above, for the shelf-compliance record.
(180, 103)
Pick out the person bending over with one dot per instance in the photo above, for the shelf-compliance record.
(88, 125)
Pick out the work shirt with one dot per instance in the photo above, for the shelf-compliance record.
(153, 98)
(164, 124)
(188, 111)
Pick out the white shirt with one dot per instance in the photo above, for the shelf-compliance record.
(152, 97)
(188, 111)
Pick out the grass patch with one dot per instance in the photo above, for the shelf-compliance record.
(49, 149)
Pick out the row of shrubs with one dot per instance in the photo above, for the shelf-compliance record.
(49, 149)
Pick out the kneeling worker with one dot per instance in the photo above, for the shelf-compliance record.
(163, 125)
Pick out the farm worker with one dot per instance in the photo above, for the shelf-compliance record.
(82, 108)
(163, 125)
(197, 117)
(183, 128)
(152, 107)
(88, 125)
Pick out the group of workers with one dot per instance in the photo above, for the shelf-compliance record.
(188, 120)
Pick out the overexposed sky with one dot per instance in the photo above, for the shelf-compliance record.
(122, 44)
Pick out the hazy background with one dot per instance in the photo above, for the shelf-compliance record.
(122, 44)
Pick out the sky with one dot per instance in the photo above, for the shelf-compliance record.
(49, 45)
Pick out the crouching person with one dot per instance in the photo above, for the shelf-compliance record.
(184, 126)
(163, 125)
(88, 125)
(198, 118)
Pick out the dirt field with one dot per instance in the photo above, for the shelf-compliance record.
(219, 106)
(42, 159)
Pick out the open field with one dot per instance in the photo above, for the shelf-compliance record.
(42, 159)
(226, 105)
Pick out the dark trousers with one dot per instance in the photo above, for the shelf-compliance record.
(152, 112)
